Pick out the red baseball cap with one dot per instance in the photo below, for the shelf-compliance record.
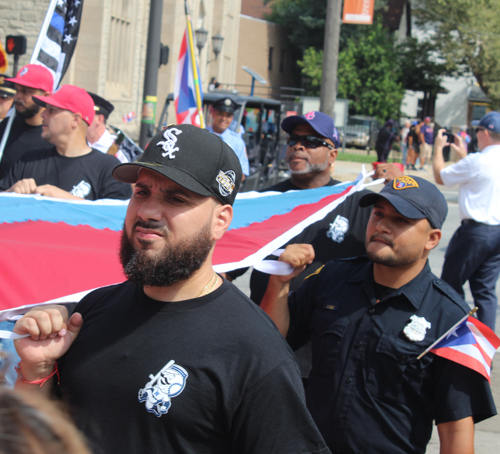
(34, 76)
(69, 97)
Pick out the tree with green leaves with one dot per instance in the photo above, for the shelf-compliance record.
(466, 34)
(368, 73)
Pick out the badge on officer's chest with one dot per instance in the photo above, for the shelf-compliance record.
(416, 329)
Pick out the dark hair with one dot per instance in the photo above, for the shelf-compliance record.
(31, 424)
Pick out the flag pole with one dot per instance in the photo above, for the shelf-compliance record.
(193, 65)
(43, 31)
(447, 332)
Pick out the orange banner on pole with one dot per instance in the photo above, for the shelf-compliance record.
(358, 12)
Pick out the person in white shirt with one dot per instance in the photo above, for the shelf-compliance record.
(474, 251)
(98, 135)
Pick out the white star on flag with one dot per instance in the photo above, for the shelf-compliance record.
(77, 3)
(67, 39)
(61, 3)
(452, 333)
(72, 21)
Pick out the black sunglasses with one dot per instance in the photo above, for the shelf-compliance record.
(307, 141)
(479, 129)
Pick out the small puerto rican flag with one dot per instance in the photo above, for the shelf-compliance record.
(470, 343)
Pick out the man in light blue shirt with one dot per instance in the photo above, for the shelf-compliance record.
(223, 116)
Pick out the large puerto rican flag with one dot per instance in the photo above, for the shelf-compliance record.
(59, 250)
(184, 89)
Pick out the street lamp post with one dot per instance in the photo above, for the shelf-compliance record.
(201, 39)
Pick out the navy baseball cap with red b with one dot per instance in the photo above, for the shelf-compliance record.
(193, 158)
(413, 198)
(320, 122)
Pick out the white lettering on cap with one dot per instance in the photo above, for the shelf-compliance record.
(168, 145)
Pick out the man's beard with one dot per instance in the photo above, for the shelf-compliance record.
(172, 264)
(28, 112)
(310, 168)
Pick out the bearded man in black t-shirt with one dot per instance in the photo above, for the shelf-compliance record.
(70, 169)
(176, 359)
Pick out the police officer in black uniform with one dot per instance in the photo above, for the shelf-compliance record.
(369, 318)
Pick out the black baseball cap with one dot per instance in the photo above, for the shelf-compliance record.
(226, 105)
(413, 198)
(193, 158)
(319, 121)
(101, 105)
(7, 88)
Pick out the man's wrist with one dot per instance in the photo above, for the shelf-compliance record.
(33, 372)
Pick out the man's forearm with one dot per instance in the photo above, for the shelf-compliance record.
(438, 163)
(275, 303)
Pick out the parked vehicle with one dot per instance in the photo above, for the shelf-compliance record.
(261, 119)
(362, 131)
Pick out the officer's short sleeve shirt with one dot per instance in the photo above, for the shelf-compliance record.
(367, 390)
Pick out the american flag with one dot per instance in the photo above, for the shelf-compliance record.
(58, 36)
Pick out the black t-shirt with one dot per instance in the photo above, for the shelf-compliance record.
(87, 176)
(367, 391)
(206, 375)
(22, 138)
(340, 234)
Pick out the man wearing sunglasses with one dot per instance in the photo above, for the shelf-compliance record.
(473, 253)
(312, 147)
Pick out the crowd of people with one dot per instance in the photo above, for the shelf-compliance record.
(177, 359)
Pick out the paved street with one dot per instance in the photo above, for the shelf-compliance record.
(487, 437)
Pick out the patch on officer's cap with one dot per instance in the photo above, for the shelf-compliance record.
(227, 102)
(417, 328)
(226, 182)
(404, 182)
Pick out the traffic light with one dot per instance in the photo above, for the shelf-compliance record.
(16, 45)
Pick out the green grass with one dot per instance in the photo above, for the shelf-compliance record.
(354, 157)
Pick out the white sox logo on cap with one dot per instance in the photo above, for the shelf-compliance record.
(23, 72)
(168, 144)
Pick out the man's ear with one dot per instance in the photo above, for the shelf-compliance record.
(332, 157)
(77, 120)
(222, 217)
(433, 239)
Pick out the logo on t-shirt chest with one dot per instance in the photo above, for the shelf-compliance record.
(82, 189)
(338, 229)
(162, 387)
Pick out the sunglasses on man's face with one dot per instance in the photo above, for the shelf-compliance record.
(479, 129)
(307, 141)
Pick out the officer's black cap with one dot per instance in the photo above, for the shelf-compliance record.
(413, 198)
(102, 106)
(7, 88)
(193, 158)
(226, 105)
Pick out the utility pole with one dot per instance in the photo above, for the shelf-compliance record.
(151, 74)
(330, 57)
